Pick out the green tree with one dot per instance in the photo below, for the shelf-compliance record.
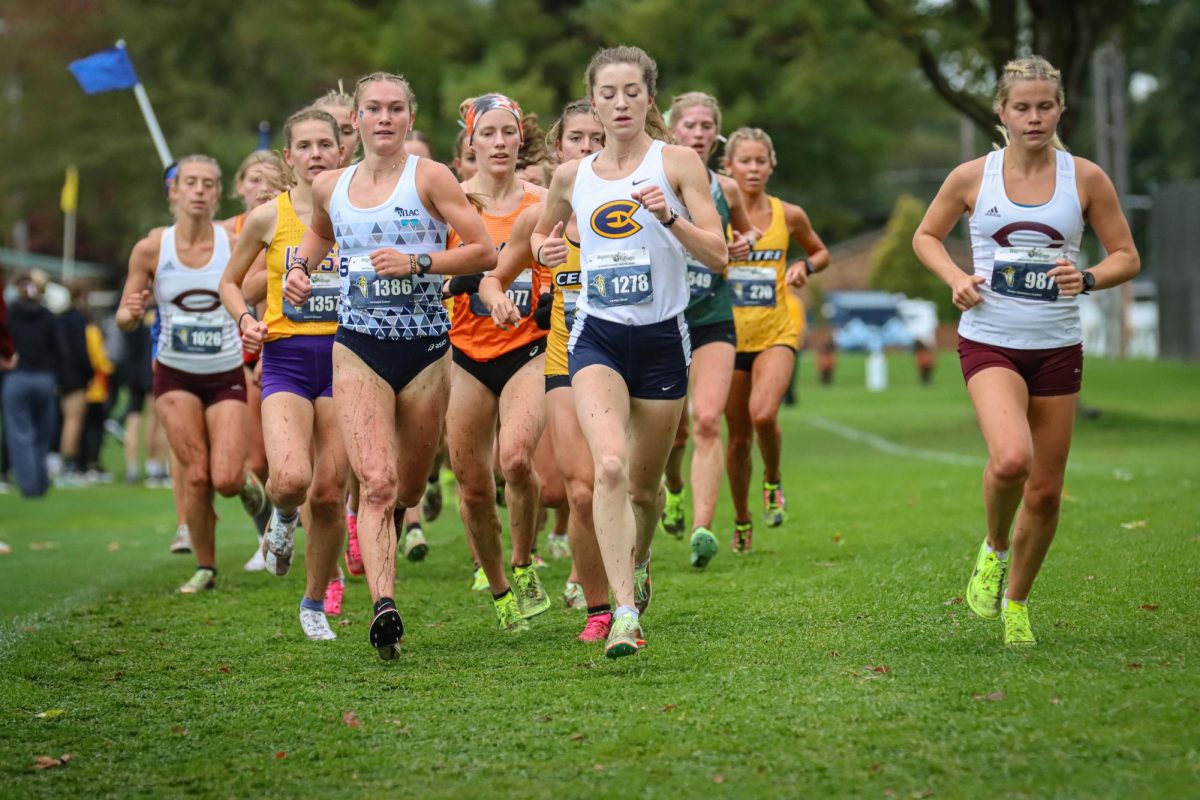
(894, 266)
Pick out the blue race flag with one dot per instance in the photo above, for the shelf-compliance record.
(105, 71)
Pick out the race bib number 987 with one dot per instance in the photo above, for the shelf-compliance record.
(1022, 272)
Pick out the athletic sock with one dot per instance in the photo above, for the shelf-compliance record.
(287, 518)
(526, 565)
(627, 611)
(211, 569)
(643, 565)
(384, 603)
(594, 611)
(499, 597)
(412, 525)
(999, 554)
(1024, 602)
(312, 605)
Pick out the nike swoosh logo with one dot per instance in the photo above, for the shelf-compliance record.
(643, 180)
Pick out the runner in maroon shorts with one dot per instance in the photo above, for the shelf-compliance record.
(1020, 335)
(199, 388)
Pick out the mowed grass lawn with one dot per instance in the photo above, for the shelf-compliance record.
(837, 659)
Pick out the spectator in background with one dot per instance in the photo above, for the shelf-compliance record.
(136, 371)
(74, 374)
(8, 360)
(97, 406)
(27, 397)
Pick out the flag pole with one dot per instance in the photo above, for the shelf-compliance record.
(160, 143)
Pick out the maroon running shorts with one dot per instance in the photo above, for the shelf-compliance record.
(211, 389)
(1049, 372)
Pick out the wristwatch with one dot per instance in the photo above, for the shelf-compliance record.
(1089, 281)
(419, 265)
(673, 219)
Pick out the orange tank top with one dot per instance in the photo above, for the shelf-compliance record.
(472, 330)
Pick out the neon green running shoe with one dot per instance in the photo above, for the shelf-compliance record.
(774, 504)
(531, 596)
(1016, 625)
(641, 587)
(481, 582)
(509, 614)
(673, 521)
(203, 581)
(625, 637)
(704, 547)
(986, 584)
(743, 537)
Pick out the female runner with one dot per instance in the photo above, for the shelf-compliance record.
(388, 216)
(199, 386)
(768, 334)
(1020, 335)
(640, 203)
(695, 120)
(496, 377)
(304, 452)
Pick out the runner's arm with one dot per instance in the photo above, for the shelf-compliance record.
(143, 260)
(702, 235)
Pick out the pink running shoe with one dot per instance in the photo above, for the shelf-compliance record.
(597, 627)
(333, 597)
(354, 563)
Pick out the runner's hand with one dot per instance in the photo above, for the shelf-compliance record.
(1068, 277)
(553, 250)
(739, 247)
(796, 275)
(391, 263)
(297, 287)
(654, 201)
(254, 333)
(9, 363)
(964, 292)
(135, 303)
(505, 314)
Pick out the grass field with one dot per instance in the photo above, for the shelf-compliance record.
(837, 659)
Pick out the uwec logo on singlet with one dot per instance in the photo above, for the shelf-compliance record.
(614, 220)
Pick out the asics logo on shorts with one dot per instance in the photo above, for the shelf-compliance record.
(614, 220)
(199, 301)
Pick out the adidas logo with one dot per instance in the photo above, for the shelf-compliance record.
(992, 212)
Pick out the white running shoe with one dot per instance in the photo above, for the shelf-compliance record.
(182, 543)
(415, 546)
(560, 547)
(315, 626)
(277, 543)
(256, 562)
(573, 596)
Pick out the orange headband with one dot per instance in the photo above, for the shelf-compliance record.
(490, 102)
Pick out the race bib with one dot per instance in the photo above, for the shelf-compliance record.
(520, 291)
(322, 304)
(569, 298)
(368, 289)
(700, 278)
(1021, 272)
(752, 286)
(196, 334)
(620, 278)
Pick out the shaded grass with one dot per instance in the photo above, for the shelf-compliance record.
(834, 661)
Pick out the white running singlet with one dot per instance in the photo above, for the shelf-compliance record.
(632, 268)
(197, 333)
(1021, 307)
(387, 308)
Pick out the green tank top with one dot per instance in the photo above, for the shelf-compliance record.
(711, 301)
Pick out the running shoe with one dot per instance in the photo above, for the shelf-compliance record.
(415, 546)
(182, 543)
(256, 562)
(596, 628)
(387, 632)
(538, 561)
(560, 546)
(315, 626)
(673, 520)
(481, 582)
(704, 547)
(204, 580)
(1016, 624)
(774, 504)
(641, 587)
(987, 584)
(278, 542)
(335, 590)
(253, 498)
(625, 637)
(527, 587)
(573, 596)
(743, 534)
(353, 556)
(431, 501)
(508, 612)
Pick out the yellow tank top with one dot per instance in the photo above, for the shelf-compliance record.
(763, 308)
(565, 280)
(317, 317)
